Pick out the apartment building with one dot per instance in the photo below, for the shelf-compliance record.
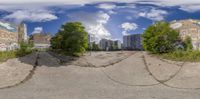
(107, 44)
(132, 42)
(189, 28)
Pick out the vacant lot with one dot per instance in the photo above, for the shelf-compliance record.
(106, 75)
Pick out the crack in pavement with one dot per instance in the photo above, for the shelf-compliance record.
(90, 65)
(103, 66)
(28, 77)
(162, 82)
(163, 60)
(109, 77)
(171, 77)
(123, 83)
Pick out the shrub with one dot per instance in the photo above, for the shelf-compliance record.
(181, 55)
(25, 49)
(159, 38)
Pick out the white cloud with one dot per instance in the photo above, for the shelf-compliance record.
(94, 25)
(181, 3)
(37, 30)
(62, 1)
(106, 6)
(186, 5)
(128, 27)
(190, 8)
(6, 25)
(31, 15)
(154, 14)
(28, 12)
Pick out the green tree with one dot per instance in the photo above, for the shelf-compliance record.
(95, 47)
(188, 43)
(159, 38)
(71, 38)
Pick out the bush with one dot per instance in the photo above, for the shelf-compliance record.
(25, 49)
(159, 38)
(180, 55)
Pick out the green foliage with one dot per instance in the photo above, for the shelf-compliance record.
(180, 55)
(5, 55)
(188, 44)
(95, 47)
(25, 48)
(71, 38)
(159, 38)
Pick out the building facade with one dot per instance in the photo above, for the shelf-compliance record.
(41, 41)
(22, 33)
(190, 28)
(8, 36)
(106, 44)
(132, 42)
(118, 44)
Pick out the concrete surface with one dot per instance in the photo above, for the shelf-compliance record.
(102, 59)
(131, 71)
(162, 70)
(54, 81)
(14, 70)
(188, 77)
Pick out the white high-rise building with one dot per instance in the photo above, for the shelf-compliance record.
(132, 42)
(25, 33)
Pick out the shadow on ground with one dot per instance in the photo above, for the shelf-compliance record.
(49, 59)
(93, 59)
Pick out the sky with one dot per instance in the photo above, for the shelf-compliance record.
(110, 19)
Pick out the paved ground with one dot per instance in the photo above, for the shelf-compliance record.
(138, 76)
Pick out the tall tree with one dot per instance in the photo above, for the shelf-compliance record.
(71, 38)
(159, 38)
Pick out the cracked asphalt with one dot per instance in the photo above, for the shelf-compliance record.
(137, 76)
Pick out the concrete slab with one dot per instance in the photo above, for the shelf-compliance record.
(15, 70)
(162, 70)
(188, 77)
(74, 82)
(131, 71)
(101, 59)
(45, 59)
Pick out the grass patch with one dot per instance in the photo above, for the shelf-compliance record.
(190, 56)
(7, 55)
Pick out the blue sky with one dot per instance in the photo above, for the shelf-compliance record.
(102, 18)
